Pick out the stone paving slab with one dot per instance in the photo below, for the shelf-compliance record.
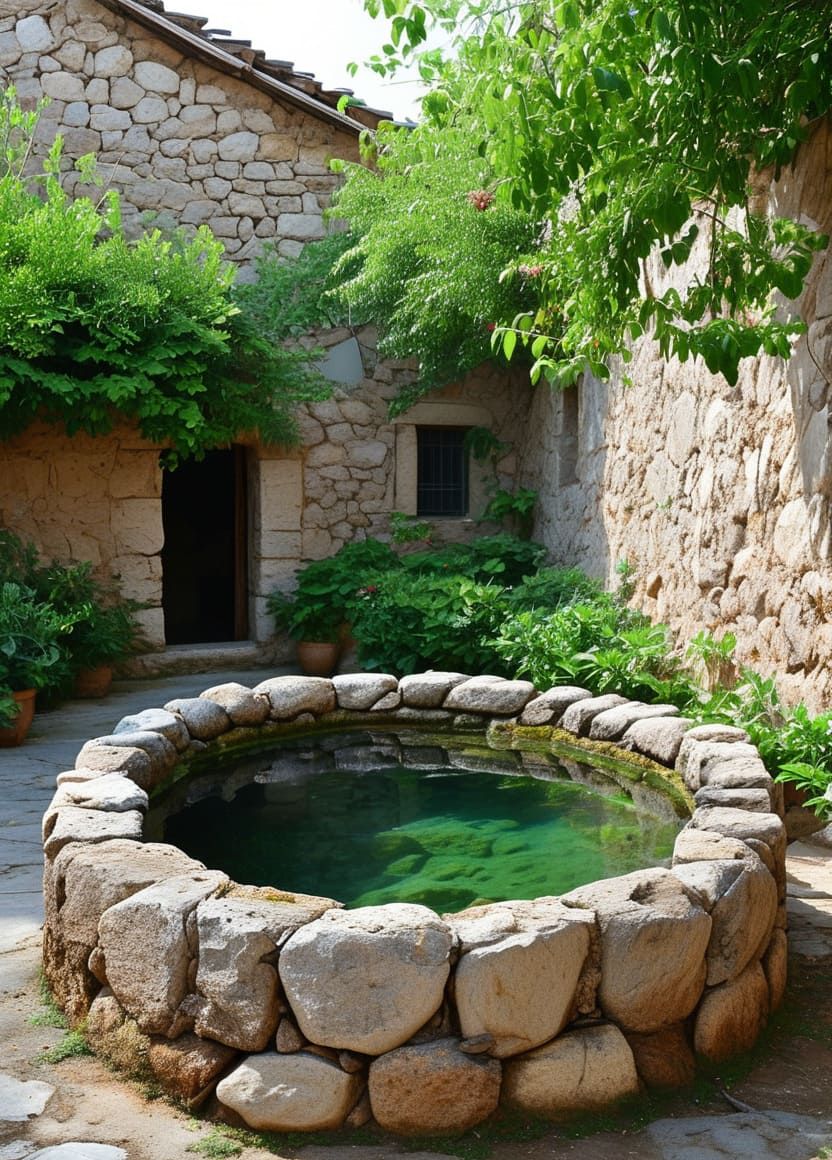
(27, 782)
(744, 1136)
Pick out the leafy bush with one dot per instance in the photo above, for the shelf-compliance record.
(427, 260)
(551, 587)
(94, 327)
(626, 128)
(409, 621)
(501, 557)
(292, 297)
(30, 632)
(80, 621)
(327, 590)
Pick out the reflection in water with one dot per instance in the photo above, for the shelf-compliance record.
(324, 821)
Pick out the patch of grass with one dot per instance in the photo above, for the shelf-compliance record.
(215, 1146)
(72, 1045)
(50, 1014)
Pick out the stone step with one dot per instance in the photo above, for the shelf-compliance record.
(199, 658)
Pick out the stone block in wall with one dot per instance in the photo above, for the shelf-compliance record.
(741, 898)
(732, 1015)
(517, 979)
(654, 935)
(580, 1071)
(262, 621)
(135, 474)
(137, 526)
(147, 952)
(433, 1089)
(288, 1093)
(236, 981)
(665, 1058)
(274, 544)
(91, 879)
(366, 979)
(281, 494)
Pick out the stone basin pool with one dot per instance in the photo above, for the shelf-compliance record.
(346, 820)
(289, 1012)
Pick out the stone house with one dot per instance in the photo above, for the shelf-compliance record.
(199, 128)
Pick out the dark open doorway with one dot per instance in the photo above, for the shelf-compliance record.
(204, 555)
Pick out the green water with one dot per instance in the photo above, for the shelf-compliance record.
(445, 838)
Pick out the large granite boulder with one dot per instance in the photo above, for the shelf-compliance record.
(732, 1015)
(236, 982)
(147, 952)
(156, 721)
(428, 690)
(290, 696)
(741, 898)
(243, 706)
(522, 971)
(204, 719)
(290, 1093)
(581, 1071)
(489, 694)
(362, 691)
(430, 1089)
(80, 885)
(654, 936)
(366, 979)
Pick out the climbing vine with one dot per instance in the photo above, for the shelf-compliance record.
(618, 130)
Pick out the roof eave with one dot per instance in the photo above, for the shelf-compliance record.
(212, 54)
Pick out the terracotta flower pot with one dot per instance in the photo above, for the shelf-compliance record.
(15, 733)
(318, 658)
(94, 682)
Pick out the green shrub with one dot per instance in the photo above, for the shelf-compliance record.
(549, 588)
(94, 326)
(327, 590)
(407, 621)
(30, 636)
(65, 608)
(503, 558)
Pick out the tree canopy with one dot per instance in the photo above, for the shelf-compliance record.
(613, 129)
(95, 327)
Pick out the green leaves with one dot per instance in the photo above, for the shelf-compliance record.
(617, 130)
(94, 327)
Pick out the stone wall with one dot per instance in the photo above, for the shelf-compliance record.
(176, 136)
(358, 465)
(99, 499)
(85, 498)
(425, 1023)
(718, 496)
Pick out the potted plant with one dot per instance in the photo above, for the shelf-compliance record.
(29, 657)
(100, 637)
(318, 612)
(315, 625)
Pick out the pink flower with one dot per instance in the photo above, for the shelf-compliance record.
(530, 271)
(491, 326)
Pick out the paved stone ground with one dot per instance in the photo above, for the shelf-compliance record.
(79, 1111)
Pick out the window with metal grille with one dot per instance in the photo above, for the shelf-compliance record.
(442, 471)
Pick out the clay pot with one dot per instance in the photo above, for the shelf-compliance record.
(15, 733)
(318, 658)
(93, 682)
